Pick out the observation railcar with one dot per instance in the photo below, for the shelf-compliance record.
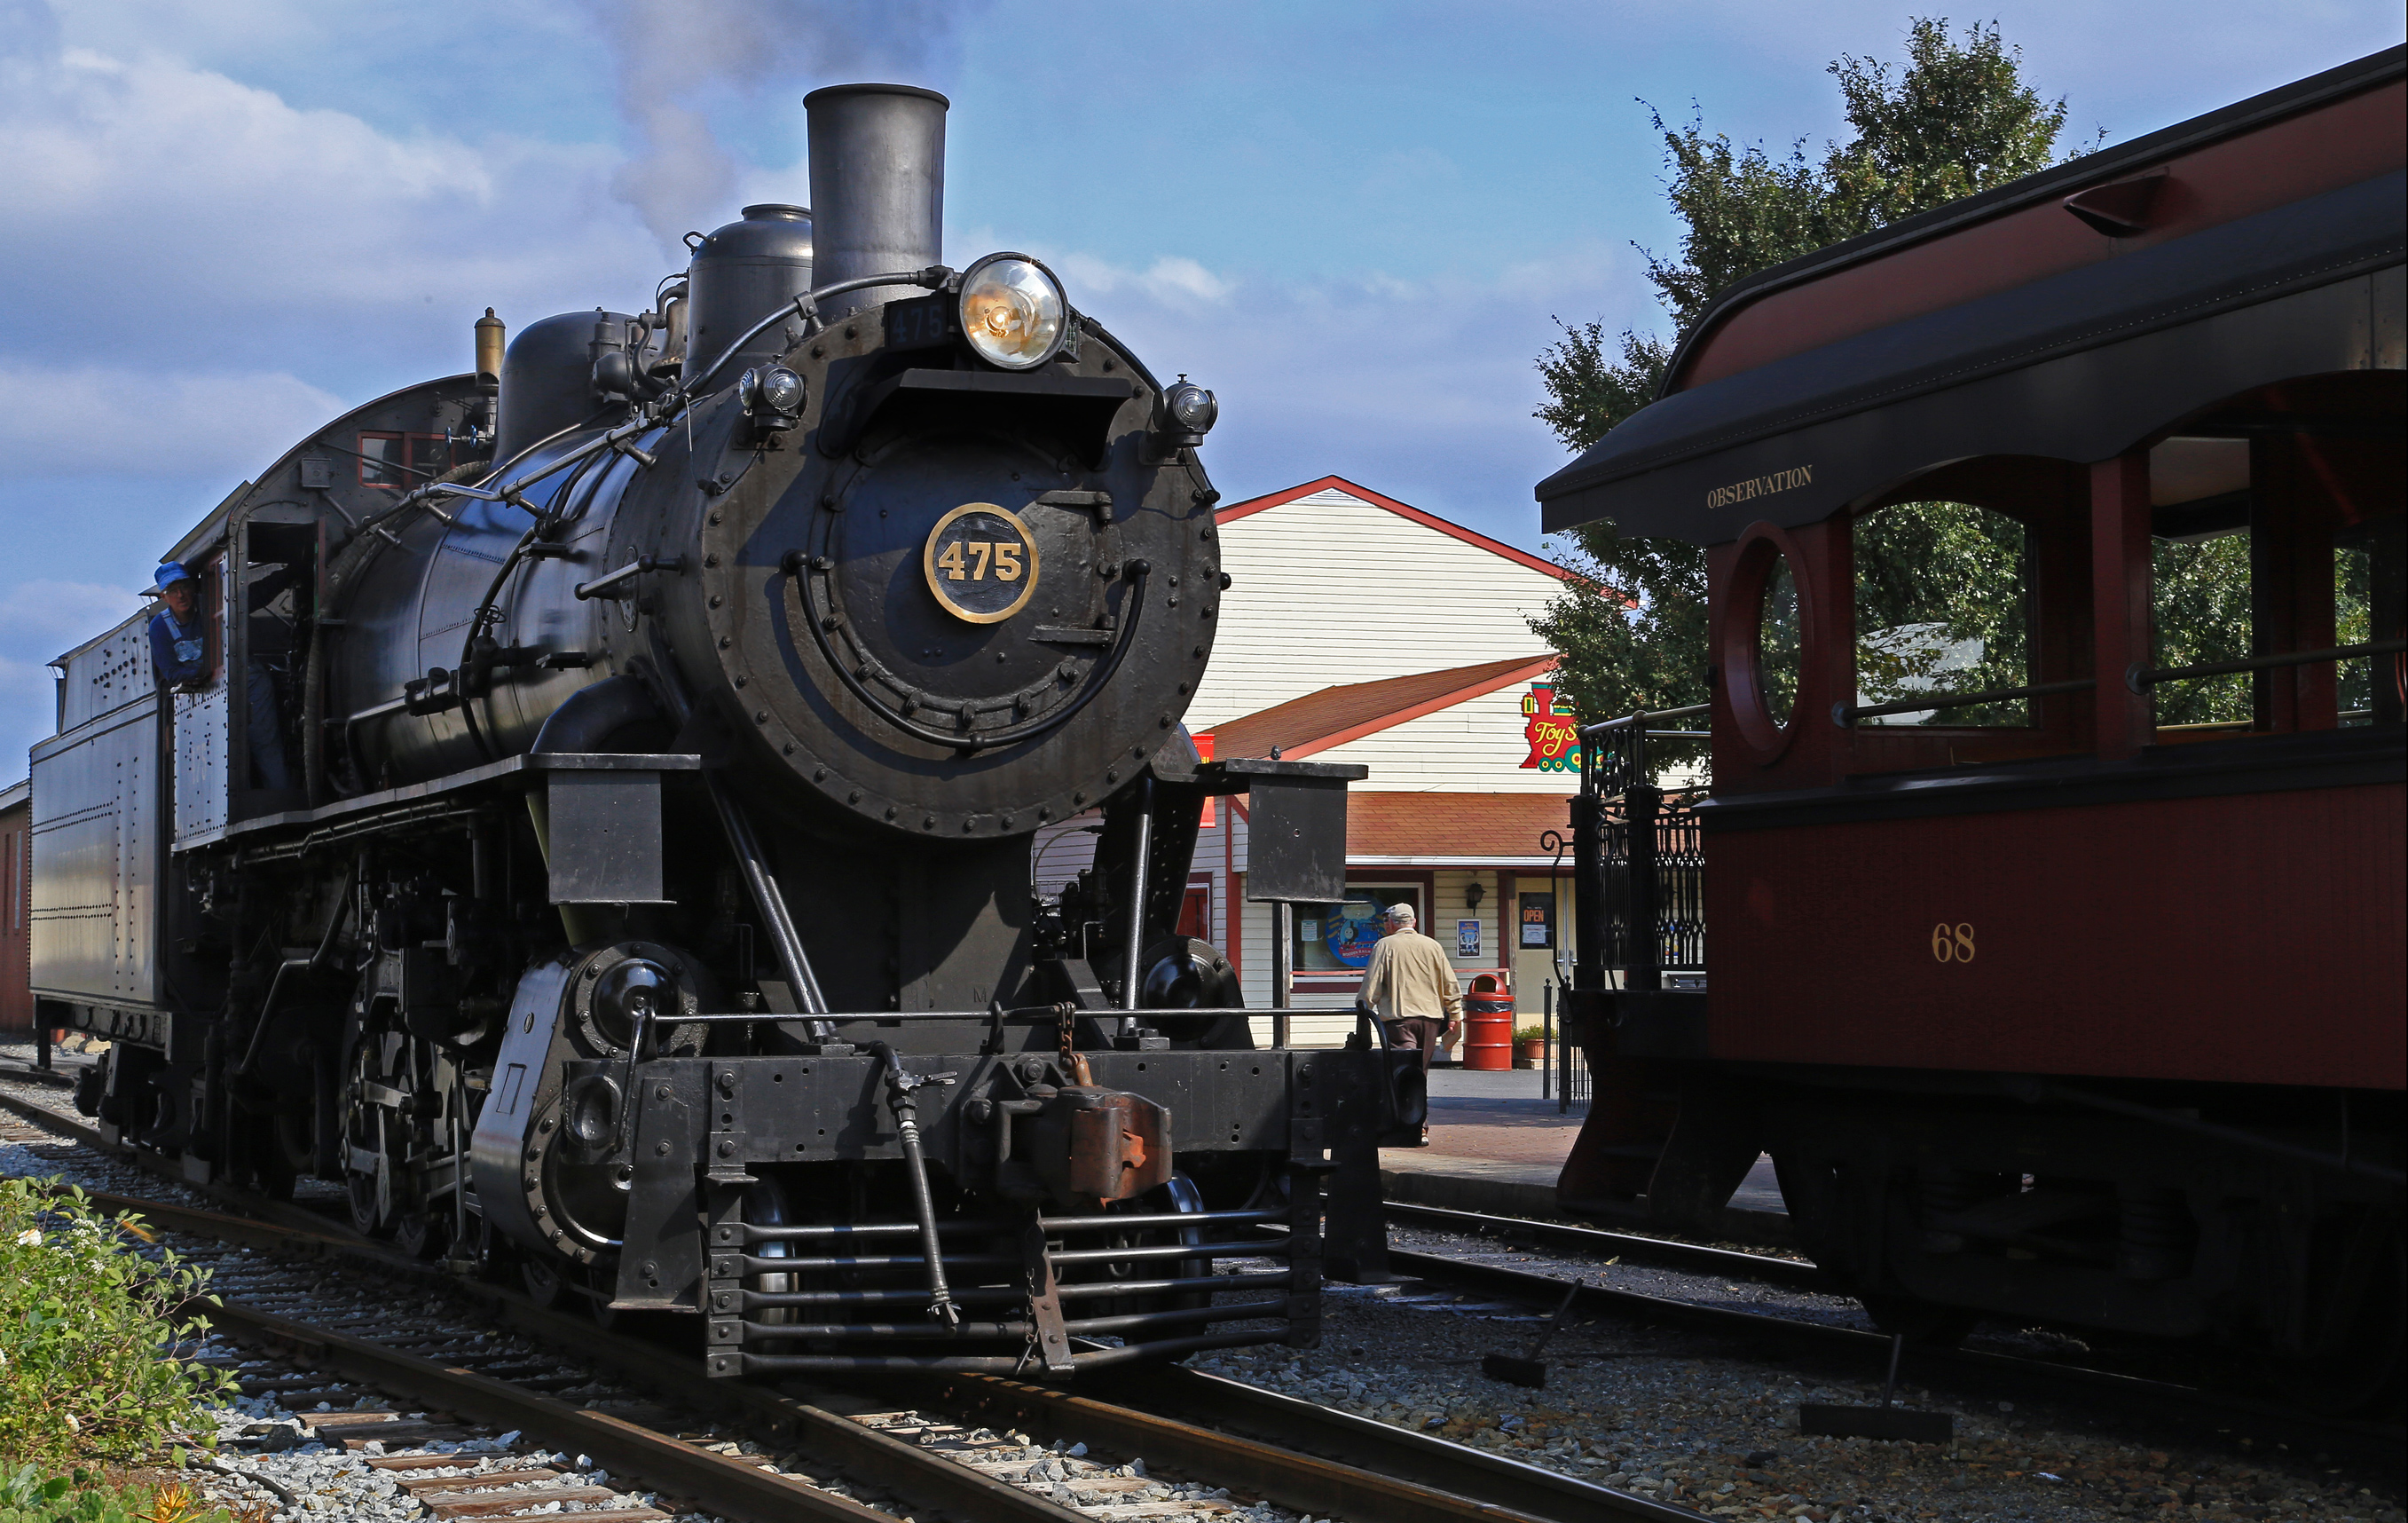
(599, 835)
(2052, 850)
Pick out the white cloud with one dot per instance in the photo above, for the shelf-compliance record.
(1171, 277)
(39, 619)
(129, 420)
(205, 222)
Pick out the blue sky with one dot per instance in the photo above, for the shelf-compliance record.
(1355, 220)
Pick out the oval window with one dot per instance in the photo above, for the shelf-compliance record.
(1776, 641)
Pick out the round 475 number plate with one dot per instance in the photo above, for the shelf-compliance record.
(981, 562)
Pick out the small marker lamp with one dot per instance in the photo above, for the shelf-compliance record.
(1188, 413)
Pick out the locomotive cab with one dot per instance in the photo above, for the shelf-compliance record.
(2051, 851)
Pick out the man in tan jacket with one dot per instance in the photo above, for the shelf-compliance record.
(1410, 987)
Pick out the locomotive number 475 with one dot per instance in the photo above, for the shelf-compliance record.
(1005, 552)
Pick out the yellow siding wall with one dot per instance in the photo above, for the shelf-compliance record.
(1330, 590)
(1474, 747)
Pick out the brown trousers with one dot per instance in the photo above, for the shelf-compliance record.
(1417, 1033)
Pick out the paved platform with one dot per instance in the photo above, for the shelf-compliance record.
(1496, 1145)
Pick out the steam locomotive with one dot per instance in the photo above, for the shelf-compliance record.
(600, 836)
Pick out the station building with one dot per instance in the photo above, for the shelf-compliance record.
(1360, 629)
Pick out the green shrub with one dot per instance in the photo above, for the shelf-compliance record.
(85, 1325)
(1529, 1033)
(31, 1497)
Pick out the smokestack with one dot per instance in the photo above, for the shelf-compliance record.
(878, 186)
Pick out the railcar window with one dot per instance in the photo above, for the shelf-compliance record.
(1942, 607)
(1776, 641)
(2202, 615)
(2354, 624)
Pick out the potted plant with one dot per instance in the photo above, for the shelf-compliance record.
(1529, 1046)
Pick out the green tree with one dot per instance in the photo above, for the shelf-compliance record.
(1955, 119)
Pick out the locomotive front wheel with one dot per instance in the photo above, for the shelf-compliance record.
(601, 1283)
(420, 1235)
(543, 1281)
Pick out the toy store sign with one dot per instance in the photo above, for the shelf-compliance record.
(1552, 730)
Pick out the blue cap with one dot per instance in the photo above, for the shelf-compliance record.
(171, 572)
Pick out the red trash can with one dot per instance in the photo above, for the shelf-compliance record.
(1489, 1025)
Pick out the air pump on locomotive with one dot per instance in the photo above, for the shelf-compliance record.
(672, 705)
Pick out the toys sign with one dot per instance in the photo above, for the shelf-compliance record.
(1554, 732)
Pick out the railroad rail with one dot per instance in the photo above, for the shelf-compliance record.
(2374, 1445)
(1291, 1453)
(1797, 1274)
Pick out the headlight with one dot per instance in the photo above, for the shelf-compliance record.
(1012, 312)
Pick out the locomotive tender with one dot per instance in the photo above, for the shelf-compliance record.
(2054, 990)
(672, 704)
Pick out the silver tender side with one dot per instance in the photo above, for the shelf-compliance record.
(97, 828)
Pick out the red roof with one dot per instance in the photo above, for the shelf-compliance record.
(1468, 828)
(1428, 521)
(1335, 715)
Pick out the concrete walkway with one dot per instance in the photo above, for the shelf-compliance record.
(1496, 1145)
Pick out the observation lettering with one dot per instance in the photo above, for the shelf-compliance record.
(1761, 486)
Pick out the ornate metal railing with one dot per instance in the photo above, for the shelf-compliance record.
(1675, 902)
(1639, 859)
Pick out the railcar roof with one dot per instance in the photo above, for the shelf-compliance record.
(2012, 322)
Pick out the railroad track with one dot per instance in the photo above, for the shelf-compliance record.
(1769, 1268)
(950, 1446)
(2217, 1415)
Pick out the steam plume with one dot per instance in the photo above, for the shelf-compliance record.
(681, 62)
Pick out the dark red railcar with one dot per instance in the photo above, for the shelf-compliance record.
(2054, 846)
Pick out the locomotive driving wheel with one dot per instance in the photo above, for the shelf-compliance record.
(385, 1106)
(371, 1130)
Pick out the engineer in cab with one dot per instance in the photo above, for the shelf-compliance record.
(180, 656)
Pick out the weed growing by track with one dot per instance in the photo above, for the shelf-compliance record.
(87, 1323)
(31, 1497)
